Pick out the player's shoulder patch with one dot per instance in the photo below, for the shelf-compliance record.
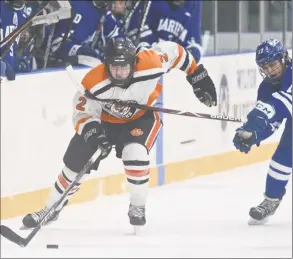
(148, 59)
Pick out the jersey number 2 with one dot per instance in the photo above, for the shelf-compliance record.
(80, 105)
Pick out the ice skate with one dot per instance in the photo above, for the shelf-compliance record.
(261, 214)
(31, 220)
(136, 216)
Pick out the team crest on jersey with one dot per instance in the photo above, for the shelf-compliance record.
(120, 110)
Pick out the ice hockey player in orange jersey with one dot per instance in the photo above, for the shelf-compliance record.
(128, 76)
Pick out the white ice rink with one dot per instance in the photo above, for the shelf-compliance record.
(203, 217)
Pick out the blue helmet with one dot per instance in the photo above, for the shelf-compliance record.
(269, 51)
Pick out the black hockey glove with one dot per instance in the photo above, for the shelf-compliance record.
(94, 135)
(203, 86)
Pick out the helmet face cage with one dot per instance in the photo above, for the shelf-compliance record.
(120, 59)
(120, 70)
(272, 58)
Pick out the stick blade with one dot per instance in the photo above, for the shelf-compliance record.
(12, 236)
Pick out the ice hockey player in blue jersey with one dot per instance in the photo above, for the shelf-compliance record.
(89, 16)
(177, 20)
(112, 24)
(12, 16)
(274, 106)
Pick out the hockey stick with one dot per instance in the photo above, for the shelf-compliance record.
(8, 41)
(85, 92)
(69, 24)
(145, 11)
(23, 242)
(98, 31)
(49, 45)
(126, 21)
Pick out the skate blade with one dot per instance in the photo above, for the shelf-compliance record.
(255, 222)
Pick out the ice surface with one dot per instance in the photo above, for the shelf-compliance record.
(202, 217)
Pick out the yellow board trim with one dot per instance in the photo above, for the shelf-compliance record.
(20, 204)
(182, 170)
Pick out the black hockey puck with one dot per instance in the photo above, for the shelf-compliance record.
(52, 246)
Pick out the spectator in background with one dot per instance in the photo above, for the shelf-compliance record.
(33, 42)
(12, 16)
(177, 20)
(24, 61)
(89, 26)
(30, 55)
(118, 9)
(112, 24)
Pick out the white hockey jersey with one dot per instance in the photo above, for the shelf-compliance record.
(144, 89)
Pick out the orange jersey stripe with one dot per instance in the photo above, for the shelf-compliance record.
(80, 121)
(153, 96)
(62, 181)
(154, 132)
(147, 59)
(137, 172)
(94, 77)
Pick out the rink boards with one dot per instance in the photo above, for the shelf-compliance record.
(36, 127)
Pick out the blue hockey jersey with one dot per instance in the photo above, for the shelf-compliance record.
(280, 97)
(86, 22)
(111, 28)
(10, 19)
(181, 25)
